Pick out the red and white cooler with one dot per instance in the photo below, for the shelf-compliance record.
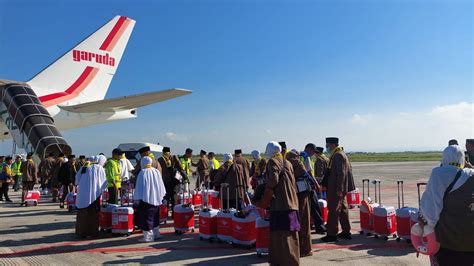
(197, 198)
(385, 223)
(323, 206)
(262, 226)
(122, 220)
(71, 201)
(424, 240)
(184, 197)
(164, 212)
(406, 217)
(366, 210)
(183, 215)
(214, 199)
(244, 232)
(207, 223)
(353, 198)
(105, 216)
(32, 197)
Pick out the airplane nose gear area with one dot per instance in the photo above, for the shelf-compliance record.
(28, 121)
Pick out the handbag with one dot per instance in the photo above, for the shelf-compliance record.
(303, 183)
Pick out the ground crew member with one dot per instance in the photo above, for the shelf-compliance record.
(112, 174)
(17, 175)
(280, 195)
(185, 165)
(6, 177)
(29, 175)
(241, 160)
(202, 169)
(340, 181)
(232, 174)
(213, 167)
(469, 160)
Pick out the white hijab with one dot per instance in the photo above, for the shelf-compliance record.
(91, 184)
(149, 186)
(272, 148)
(228, 157)
(441, 177)
(255, 154)
(125, 168)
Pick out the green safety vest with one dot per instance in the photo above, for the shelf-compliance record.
(17, 168)
(216, 164)
(186, 165)
(112, 173)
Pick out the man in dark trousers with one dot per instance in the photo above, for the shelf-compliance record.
(202, 169)
(340, 181)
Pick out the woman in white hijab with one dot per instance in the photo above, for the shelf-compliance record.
(149, 193)
(91, 182)
(447, 205)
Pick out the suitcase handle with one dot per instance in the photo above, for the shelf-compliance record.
(363, 188)
(379, 198)
(224, 185)
(418, 185)
(400, 184)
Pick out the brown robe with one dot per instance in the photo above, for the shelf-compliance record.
(46, 168)
(320, 166)
(257, 171)
(241, 160)
(303, 205)
(203, 171)
(283, 245)
(28, 170)
(339, 176)
(232, 174)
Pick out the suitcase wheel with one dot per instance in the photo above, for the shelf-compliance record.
(376, 236)
(361, 232)
(385, 238)
(398, 239)
(36, 203)
(369, 234)
(69, 209)
(259, 254)
(408, 241)
(192, 230)
(178, 232)
(394, 236)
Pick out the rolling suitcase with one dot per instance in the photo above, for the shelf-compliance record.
(197, 198)
(122, 220)
(71, 202)
(385, 223)
(366, 210)
(32, 197)
(244, 232)
(183, 216)
(105, 216)
(353, 198)
(262, 225)
(207, 221)
(406, 217)
(224, 218)
(214, 199)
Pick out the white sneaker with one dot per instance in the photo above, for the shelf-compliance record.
(147, 236)
(156, 233)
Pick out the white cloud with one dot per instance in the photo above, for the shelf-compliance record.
(176, 137)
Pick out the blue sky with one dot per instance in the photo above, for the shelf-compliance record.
(381, 75)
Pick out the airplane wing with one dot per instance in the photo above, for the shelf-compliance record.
(126, 102)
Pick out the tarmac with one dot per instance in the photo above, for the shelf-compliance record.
(44, 234)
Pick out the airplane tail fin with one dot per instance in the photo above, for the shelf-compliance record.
(84, 73)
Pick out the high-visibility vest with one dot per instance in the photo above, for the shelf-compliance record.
(17, 168)
(112, 171)
(185, 164)
(216, 163)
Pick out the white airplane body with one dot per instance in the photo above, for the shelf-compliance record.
(72, 89)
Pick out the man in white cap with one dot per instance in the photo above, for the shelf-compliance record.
(149, 193)
(232, 174)
(280, 196)
(91, 183)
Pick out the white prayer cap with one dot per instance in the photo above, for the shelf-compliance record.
(101, 160)
(255, 154)
(93, 159)
(145, 161)
(453, 155)
(228, 157)
(295, 151)
(273, 148)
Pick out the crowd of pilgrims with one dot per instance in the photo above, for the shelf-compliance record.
(285, 182)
